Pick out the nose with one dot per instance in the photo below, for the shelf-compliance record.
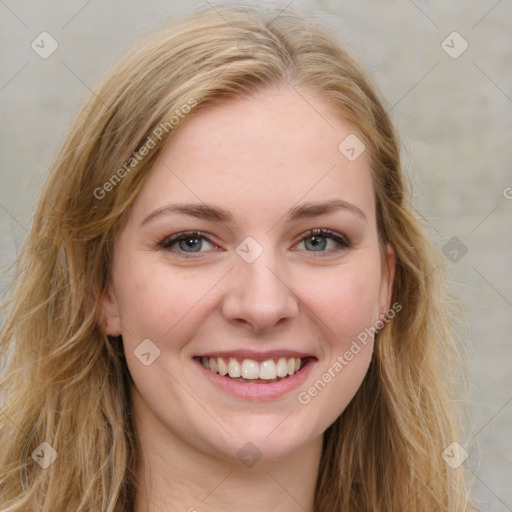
(259, 297)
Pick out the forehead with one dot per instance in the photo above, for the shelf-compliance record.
(260, 154)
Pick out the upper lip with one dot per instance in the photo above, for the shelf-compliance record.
(256, 355)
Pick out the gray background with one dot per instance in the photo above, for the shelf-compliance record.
(454, 115)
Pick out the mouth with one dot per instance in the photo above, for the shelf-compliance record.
(249, 370)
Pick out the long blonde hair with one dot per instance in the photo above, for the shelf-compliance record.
(65, 383)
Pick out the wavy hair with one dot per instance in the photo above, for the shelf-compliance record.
(66, 383)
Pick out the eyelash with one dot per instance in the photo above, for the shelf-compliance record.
(342, 241)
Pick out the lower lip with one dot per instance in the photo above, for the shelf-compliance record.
(253, 391)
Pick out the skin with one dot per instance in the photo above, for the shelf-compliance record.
(256, 157)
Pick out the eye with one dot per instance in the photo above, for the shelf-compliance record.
(324, 240)
(187, 243)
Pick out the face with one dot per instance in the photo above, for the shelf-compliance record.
(253, 249)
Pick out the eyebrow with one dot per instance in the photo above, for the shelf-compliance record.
(217, 214)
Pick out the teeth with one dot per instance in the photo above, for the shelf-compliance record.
(223, 367)
(250, 369)
(234, 368)
(267, 370)
(282, 367)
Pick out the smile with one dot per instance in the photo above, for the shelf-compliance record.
(249, 370)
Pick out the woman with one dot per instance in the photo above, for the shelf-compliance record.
(225, 299)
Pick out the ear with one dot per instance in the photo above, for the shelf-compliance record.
(108, 318)
(386, 285)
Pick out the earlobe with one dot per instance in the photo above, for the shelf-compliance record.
(108, 315)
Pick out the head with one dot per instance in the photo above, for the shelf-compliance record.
(254, 125)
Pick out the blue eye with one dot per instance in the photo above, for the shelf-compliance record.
(317, 240)
(190, 242)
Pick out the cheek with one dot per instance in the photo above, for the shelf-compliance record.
(155, 302)
(345, 301)
(347, 308)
